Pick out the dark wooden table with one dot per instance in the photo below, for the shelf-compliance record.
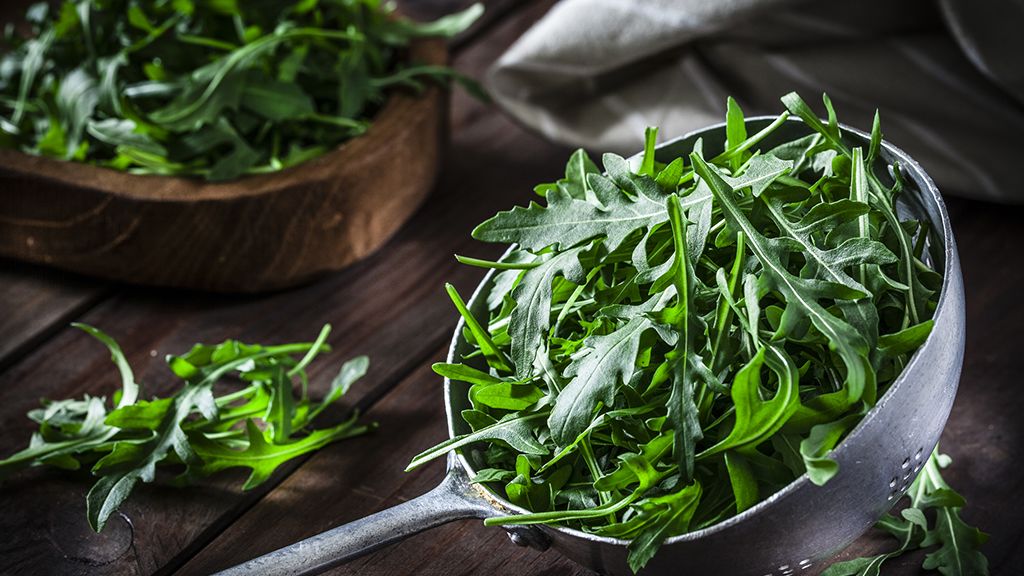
(392, 307)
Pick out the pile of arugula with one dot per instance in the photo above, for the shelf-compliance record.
(669, 344)
(258, 425)
(206, 88)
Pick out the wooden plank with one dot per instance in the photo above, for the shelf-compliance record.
(35, 302)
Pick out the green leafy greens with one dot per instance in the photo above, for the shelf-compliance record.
(671, 343)
(260, 424)
(955, 543)
(216, 89)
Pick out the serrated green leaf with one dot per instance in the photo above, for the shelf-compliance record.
(759, 174)
(263, 457)
(281, 408)
(514, 431)
(666, 515)
(607, 362)
(683, 415)
(567, 221)
(531, 317)
(799, 292)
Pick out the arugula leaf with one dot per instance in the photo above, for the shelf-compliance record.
(567, 221)
(756, 420)
(815, 448)
(735, 130)
(742, 479)
(683, 414)
(495, 357)
(264, 457)
(446, 26)
(830, 264)
(129, 387)
(515, 432)
(595, 376)
(664, 516)
(957, 553)
(126, 444)
(505, 395)
(800, 293)
(531, 317)
(760, 172)
(277, 101)
(351, 371)
(129, 462)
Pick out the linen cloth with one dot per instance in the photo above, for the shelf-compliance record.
(947, 77)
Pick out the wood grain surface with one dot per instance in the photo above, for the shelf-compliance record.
(392, 307)
(37, 301)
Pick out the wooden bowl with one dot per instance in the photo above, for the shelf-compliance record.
(252, 234)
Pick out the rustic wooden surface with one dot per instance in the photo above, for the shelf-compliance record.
(392, 307)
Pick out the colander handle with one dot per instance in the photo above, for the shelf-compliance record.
(453, 499)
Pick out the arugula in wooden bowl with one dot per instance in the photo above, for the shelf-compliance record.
(218, 145)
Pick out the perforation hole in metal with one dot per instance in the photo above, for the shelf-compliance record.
(900, 481)
(791, 569)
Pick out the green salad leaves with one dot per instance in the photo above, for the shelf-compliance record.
(931, 520)
(262, 421)
(670, 343)
(215, 89)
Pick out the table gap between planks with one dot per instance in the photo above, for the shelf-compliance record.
(393, 308)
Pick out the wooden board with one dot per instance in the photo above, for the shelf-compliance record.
(35, 301)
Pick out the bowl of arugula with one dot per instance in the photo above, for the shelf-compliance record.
(215, 145)
(731, 354)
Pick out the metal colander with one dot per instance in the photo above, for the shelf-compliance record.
(797, 528)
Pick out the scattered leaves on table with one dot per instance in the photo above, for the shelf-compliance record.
(265, 420)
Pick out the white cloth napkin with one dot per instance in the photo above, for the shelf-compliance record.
(595, 73)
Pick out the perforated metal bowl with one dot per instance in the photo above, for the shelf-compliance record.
(795, 529)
